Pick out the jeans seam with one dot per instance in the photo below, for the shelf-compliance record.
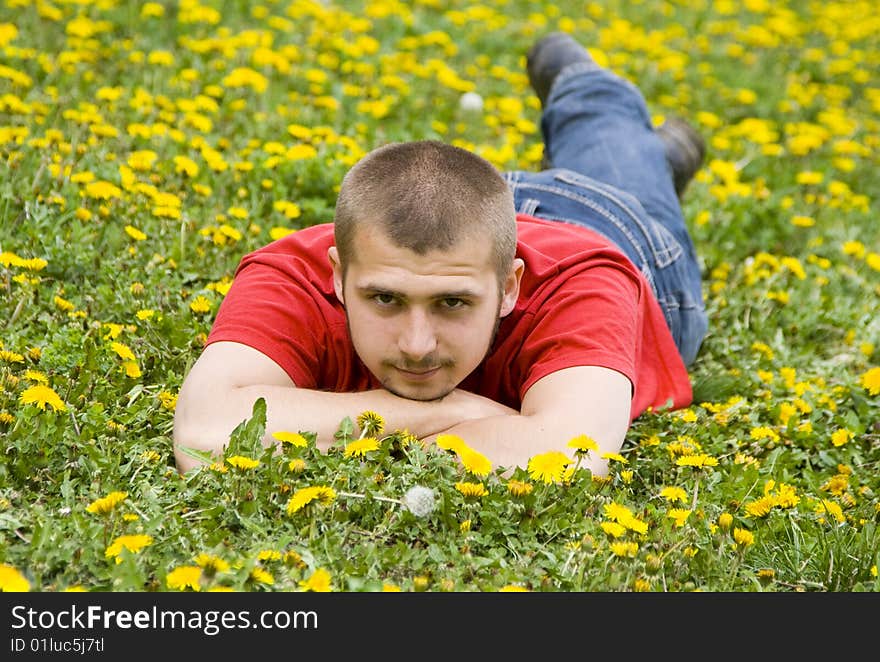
(663, 257)
(599, 210)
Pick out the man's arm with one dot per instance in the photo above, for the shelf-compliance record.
(220, 390)
(588, 400)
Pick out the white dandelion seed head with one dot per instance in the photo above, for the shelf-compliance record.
(419, 500)
(471, 102)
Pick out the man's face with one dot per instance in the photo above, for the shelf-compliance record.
(422, 323)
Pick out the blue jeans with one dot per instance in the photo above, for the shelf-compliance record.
(609, 173)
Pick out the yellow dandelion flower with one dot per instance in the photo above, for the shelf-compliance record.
(36, 376)
(743, 537)
(617, 457)
(41, 395)
(269, 555)
(12, 581)
(262, 576)
(243, 463)
(475, 462)
(318, 582)
(674, 494)
(513, 588)
(123, 351)
(183, 577)
(133, 543)
(679, 516)
(200, 305)
(390, 588)
(622, 548)
(548, 467)
(583, 444)
(831, 508)
(11, 357)
(134, 233)
(295, 439)
(725, 520)
(519, 488)
(841, 437)
(697, 461)
(613, 529)
(304, 496)
(107, 504)
(371, 423)
(211, 564)
(871, 381)
(360, 447)
(450, 442)
(297, 465)
(471, 489)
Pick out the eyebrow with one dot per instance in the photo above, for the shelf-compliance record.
(452, 294)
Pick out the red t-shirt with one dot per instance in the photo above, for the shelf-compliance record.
(581, 302)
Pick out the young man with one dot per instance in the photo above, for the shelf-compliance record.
(516, 310)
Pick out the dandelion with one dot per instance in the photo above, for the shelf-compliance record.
(318, 582)
(673, 494)
(306, 495)
(450, 442)
(360, 447)
(613, 529)
(472, 489)
(187, 576)
(200, 305)
(261, 576)
(419, 500)
(243, 463)
(519, 488)
(295, 439)
(841, 437)
(697, 461)
(743, 537)
(583, 444)
(41, 395)
(133, 543)
(211, 564)
(513, 588)
(107, 504)
(11, 357)
(548, 467)
(725, 520)
(123, 351)
(12, 581)
(371, 423)
(871, 381)
(616, 457)
(297, 465)
(831, 508)
(475, 462)
(622, 548)
(679, 516)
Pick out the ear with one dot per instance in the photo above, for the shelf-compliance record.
(333, 257)
(511, 287)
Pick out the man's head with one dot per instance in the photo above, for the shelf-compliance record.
(424, 263)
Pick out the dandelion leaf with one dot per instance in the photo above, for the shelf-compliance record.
(247, 438)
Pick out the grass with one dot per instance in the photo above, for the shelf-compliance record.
(147, 146)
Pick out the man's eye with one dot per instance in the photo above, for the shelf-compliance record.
(384, 299)
(453, 303)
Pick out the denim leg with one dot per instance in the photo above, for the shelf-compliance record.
(609, 173)
(597, 123)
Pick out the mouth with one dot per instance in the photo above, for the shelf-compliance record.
(418, 375)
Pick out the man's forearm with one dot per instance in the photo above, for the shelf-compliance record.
(205, 422)
(509, 441)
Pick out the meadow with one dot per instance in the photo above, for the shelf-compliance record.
(147, 146)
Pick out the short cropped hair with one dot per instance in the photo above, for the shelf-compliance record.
(427, 195)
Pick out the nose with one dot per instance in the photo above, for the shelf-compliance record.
(417, 339)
